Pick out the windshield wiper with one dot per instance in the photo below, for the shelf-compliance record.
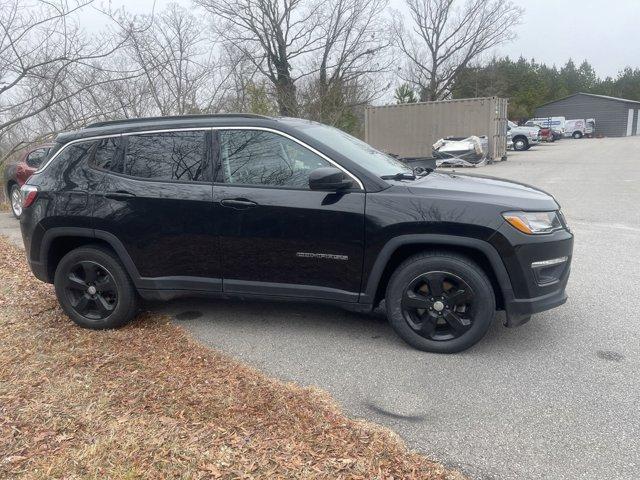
(399, 176)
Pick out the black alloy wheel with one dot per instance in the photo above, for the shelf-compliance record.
(440, 301)
(94, 289)
(91, 290)
(438, 305)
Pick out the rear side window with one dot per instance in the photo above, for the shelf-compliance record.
(35, 158)
(177, 156)
(107, 155)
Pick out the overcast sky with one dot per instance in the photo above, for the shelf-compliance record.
(604, 32)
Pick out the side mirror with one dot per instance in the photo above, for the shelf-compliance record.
(328, 178)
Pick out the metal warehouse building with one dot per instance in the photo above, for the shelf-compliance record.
(615, 117)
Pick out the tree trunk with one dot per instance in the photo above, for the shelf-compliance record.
(286, 93)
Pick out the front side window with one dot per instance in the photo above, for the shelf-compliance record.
(254, 157)
(172, 156)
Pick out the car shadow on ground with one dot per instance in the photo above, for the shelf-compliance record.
(220, 322)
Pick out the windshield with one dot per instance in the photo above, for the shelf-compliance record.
(356, 150)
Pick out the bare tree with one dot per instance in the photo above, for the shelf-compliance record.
(446, 35)
(45, 59)
(179, 64)
(272, 34)
(354, 38)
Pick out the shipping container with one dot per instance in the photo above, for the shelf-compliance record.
(411, 129)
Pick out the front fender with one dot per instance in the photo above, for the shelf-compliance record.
(375, 275)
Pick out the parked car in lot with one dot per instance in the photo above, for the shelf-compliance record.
(579, 128)
(18, 169)
(523, 137)
(546, 135)
(255, 207)
(556, 124)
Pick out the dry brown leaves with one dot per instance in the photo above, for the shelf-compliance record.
(148, 402)
(4, 206)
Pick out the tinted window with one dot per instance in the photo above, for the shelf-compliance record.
(35, 158)
(253, 157)
(166, 156)
(355, 150)
(70, 160)
(106, 155)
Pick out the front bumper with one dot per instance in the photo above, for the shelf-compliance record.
(530, 294)
(519, 310)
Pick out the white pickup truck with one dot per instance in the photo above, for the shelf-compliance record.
(523, 137)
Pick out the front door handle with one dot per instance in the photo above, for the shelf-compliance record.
(238, 203)
(119, 195)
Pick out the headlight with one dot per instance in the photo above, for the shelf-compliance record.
(533, 223)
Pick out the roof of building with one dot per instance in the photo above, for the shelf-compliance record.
(606, 97)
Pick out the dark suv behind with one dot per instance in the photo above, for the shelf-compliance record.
(281, 208)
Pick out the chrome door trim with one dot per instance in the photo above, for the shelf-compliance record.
(230, 127)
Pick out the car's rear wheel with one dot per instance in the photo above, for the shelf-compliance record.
(577, 135)
(520, 144)
(440, 302)
(94, 289)
(16, 200)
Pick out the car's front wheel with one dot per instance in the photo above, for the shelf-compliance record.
(16, 200)
(577, 135)
(440, 302)
(94, 289)
(520, 144)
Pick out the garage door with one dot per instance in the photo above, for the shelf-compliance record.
(630, 123)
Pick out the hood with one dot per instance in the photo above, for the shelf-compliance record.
(483, 189)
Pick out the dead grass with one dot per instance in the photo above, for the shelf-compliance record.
(148, 402)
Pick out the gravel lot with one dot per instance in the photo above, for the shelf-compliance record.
(557, 398)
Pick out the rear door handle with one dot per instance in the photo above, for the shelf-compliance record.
(118, 195)
(238, 203)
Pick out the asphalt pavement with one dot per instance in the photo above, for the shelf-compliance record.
(558, 398)
(10, 228)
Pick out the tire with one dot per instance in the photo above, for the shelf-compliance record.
(15, 199)
(577, 135)
(110, 299)
(430, 329)
(520, 144)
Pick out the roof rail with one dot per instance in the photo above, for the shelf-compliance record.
(174, 117)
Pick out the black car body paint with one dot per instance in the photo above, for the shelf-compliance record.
(181, 238)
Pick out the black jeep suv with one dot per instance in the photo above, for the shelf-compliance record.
(282, 208)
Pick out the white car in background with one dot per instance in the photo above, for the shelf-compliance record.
(579, 128)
